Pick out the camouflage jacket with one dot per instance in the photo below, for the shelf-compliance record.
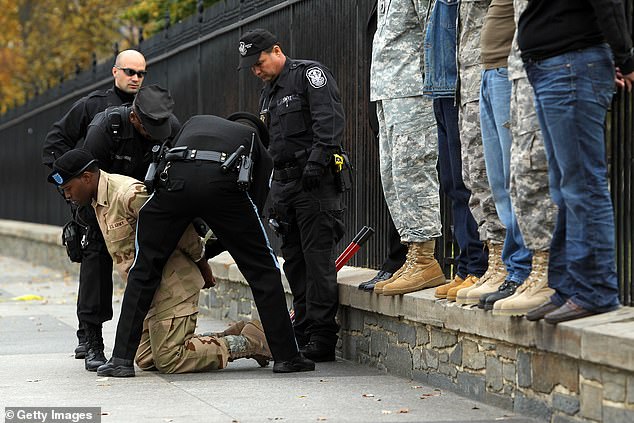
(397, 49)
(516, 66)
(119, 199)
(470, 18)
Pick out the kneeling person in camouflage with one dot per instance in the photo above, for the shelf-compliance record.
(168, 342)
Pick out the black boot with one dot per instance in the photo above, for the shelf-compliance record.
(94, 356)
(117, 367)
(299, 363)
(82, 344)
(319, 351)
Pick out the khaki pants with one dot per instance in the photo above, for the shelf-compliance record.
(170, 346)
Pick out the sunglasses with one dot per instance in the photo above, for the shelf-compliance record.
(132, 72)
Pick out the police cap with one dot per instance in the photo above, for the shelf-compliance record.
(153, 105)
(254, 122)
(252, 44)
(70, 165)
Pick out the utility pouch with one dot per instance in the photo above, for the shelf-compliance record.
(342, 171)
(73, 240)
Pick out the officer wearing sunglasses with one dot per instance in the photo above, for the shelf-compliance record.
(94, 302)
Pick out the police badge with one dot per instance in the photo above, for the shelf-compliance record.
(316, 77)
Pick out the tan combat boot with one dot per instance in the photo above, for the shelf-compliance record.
(441, 291)
(424, 272)
(494, 276)
(467, 284)
(461, 295)
(378, 288)
(535, 290)
(251, 343)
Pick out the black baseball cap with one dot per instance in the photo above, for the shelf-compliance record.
(254, 122)
(252, 44)
(153, 105)
(70, 165)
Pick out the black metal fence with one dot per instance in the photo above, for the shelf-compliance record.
(197, 61)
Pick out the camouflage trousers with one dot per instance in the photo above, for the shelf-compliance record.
(169, 345)
(474, 175)
(533, 206)
(408, 155)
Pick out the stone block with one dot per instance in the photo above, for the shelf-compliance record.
(378, 343)
(398, 360)
(508, 389)
(363, 344)
(245, 307)
(493, 374)
(349, 347)
(371, 319)
(591, 401)
(559, 339)
(447, 369)
(508, 371)
(531, 407)
(435, 379)
(612, 341)
(406, 333)
(560, 418)
(565, 403)
(471, 357)
(456, 355)
(507, 351)
(430, 359)
(472, 385)
(417, 358)
(551, 369)
(354, 319)
(232, 313)
(613, 386)
(503, 401)
(443, 357)
(442, 339)
(590, 371)
(617, 415)
(422, 335)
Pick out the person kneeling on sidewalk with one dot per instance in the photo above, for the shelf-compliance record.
(168, 343)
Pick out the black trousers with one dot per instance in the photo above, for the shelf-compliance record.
(199, 189)
(314, 226)
(94, 300)
(398, 252)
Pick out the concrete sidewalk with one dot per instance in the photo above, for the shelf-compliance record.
(37, 369)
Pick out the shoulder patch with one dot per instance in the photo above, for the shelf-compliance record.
(316, 77)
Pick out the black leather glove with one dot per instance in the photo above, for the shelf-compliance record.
(313, 172)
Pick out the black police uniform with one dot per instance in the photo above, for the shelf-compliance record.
(94, 300)
(195, 186)
(305, 119)
(118, 147)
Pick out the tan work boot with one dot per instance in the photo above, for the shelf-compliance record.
(461, 296)
(424, 271)
(468, 283)
(234, 329)
(378, 288)
(494, 276)
(441, 291)
(535, 293)
(251, 343)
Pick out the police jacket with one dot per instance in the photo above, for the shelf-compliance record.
(304, 112)
(71, 129)
(118, 147)
(213, 133)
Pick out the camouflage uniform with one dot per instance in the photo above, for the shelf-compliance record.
(168, 342)
(408, 136)
(533, 206)
(471, 18)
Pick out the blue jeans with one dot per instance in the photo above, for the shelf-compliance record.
(495, 117)
(572, 94)
(473, 259)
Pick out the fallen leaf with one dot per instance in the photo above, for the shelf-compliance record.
(33, 380)
(168, 420)
(416, 387)
(321, 419)
(368, 395)
(28, 297)
(475, 408)
(403, 411)
(302, 396)
(101, 379)
(386, 412)
(105, 413)
(323, 380)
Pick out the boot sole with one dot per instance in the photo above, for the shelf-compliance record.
(117, 372)
(93, 368)
(439, 280)
(294, 369)
(514, 312)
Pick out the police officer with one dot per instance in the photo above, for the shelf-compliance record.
(301, 105)
(193, 184)
(121, 137)
(94, 300)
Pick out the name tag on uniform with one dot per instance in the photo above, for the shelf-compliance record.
(116, 225)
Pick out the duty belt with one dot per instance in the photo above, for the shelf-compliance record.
(181, 154)
(287, 173)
